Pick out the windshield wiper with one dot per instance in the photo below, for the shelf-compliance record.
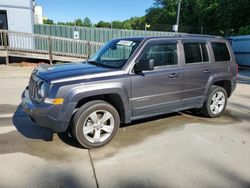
(94, 63)
(99, 64)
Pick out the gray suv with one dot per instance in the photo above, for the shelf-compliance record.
(130, 79)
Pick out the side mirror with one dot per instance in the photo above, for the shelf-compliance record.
(144, 65)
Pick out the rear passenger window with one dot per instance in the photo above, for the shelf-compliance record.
(162, 54)
(221, 52)
(195, 52)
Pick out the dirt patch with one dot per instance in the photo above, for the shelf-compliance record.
(26, 64)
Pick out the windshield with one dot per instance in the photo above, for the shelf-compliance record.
(115, 53)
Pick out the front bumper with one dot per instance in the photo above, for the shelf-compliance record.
(45, 115)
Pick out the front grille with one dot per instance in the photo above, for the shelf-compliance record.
(33, 87)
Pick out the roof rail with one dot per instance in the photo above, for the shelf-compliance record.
(198, 35)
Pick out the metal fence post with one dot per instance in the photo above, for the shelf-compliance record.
(89, 49)
(5, 41)
(50, 51)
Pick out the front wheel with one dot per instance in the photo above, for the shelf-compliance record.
(95, 124)
(216, 102)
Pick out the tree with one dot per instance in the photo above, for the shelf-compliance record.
(218, 17)
(138, 23)
(103, 24)
(48, 21)
(162, 15)
(87, 22)
(79, 22)
(244, 30)
(215, 16)
(117, 24)
(126, 24)
(61, 23)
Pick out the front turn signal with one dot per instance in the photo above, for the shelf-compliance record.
(55, 101)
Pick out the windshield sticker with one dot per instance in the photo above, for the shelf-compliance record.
(126, 43)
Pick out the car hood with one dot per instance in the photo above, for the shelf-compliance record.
(68, 70)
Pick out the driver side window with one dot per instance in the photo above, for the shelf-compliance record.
(162, 54)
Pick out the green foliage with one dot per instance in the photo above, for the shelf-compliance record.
(78, 22)
(138, 23)
(218, 17)
(210, 16)
(87, 22)
(103, 24)
(135, 23)
(48, 21)
(66, 23)
(162, 14)
(244, 30)
(126, 24)
(117, 24)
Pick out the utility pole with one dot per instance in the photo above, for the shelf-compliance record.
(176, 27)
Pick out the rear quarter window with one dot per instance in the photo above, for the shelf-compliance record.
(221, 52)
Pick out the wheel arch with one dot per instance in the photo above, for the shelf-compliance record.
(223, 80)
(112, 98)
(226, 84)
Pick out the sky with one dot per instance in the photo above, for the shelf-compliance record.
(96, 10)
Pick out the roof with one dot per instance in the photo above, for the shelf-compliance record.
(177, 35)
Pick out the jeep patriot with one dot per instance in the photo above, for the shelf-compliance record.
(130, 79)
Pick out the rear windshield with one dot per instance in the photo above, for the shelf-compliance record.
(221, 52)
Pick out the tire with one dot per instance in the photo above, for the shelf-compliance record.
(90, 130)
(215, 103)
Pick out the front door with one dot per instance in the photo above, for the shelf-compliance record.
(157, 91)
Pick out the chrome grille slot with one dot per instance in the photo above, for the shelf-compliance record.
(33, 86)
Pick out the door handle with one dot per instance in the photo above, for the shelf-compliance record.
(173, 75)
(206, 71)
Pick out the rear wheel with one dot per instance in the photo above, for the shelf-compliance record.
(95, 124)
(216, 102)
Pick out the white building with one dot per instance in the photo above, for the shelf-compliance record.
(38, 15)
(17, 15)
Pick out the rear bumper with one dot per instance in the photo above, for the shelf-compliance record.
(233, 85)
(46, 115)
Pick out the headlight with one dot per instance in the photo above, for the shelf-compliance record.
(41, 90)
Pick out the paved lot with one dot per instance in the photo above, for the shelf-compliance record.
(175, 150)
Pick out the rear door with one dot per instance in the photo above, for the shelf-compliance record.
(196, 71)
(157, 91)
